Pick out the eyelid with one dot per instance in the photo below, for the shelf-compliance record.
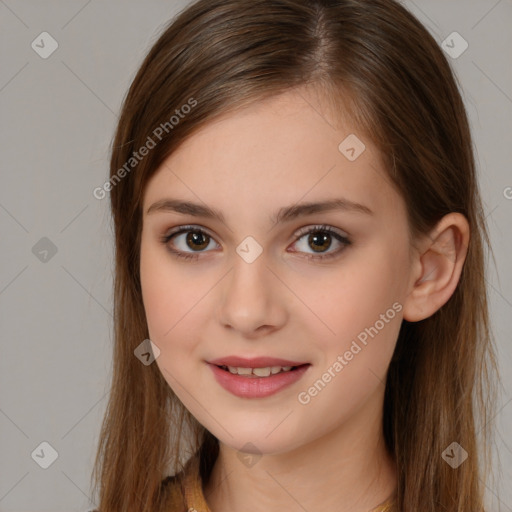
(185, 228)
(297, 234)
(320, 227)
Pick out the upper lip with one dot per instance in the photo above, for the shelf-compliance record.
(254, 362)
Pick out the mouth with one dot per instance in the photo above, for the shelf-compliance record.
(257, 378)
(259, 372)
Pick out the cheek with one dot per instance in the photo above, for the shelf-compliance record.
(157, 297)
(168, 304)
(353, 295)
(176, 299)
(165, 293)
(360, 302)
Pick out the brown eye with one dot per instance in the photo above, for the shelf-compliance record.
(197, 240)
(319, 242)
(319, 239)
(188, 242)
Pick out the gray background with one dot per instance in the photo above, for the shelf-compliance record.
(57, 119)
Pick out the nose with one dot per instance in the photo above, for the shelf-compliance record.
(252, 300)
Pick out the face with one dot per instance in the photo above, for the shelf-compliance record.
(318, 288)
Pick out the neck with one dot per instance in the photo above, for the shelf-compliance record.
(348, 469)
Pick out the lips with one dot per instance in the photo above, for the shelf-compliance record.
(256, 377)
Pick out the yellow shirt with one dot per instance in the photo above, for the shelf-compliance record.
(184, 492)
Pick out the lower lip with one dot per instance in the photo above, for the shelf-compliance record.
(257, 387)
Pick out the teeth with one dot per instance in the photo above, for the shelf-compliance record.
(259, 372)
(262, 372)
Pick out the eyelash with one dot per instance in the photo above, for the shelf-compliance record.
(321, 228)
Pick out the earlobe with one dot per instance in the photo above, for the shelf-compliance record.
(439, 262)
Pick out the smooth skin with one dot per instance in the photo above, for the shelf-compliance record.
(328, 454)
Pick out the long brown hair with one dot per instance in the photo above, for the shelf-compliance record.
(384, 71)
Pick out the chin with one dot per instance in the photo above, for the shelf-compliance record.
(258, 439)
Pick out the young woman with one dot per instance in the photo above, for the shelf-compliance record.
(299, 233)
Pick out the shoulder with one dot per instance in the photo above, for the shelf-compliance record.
(389, 506)
(174, 494)
(183, 492)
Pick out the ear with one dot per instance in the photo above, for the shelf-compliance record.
(437, 267)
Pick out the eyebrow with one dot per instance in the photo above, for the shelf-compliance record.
(284, 214)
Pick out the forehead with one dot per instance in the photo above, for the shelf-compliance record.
(274, 152)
